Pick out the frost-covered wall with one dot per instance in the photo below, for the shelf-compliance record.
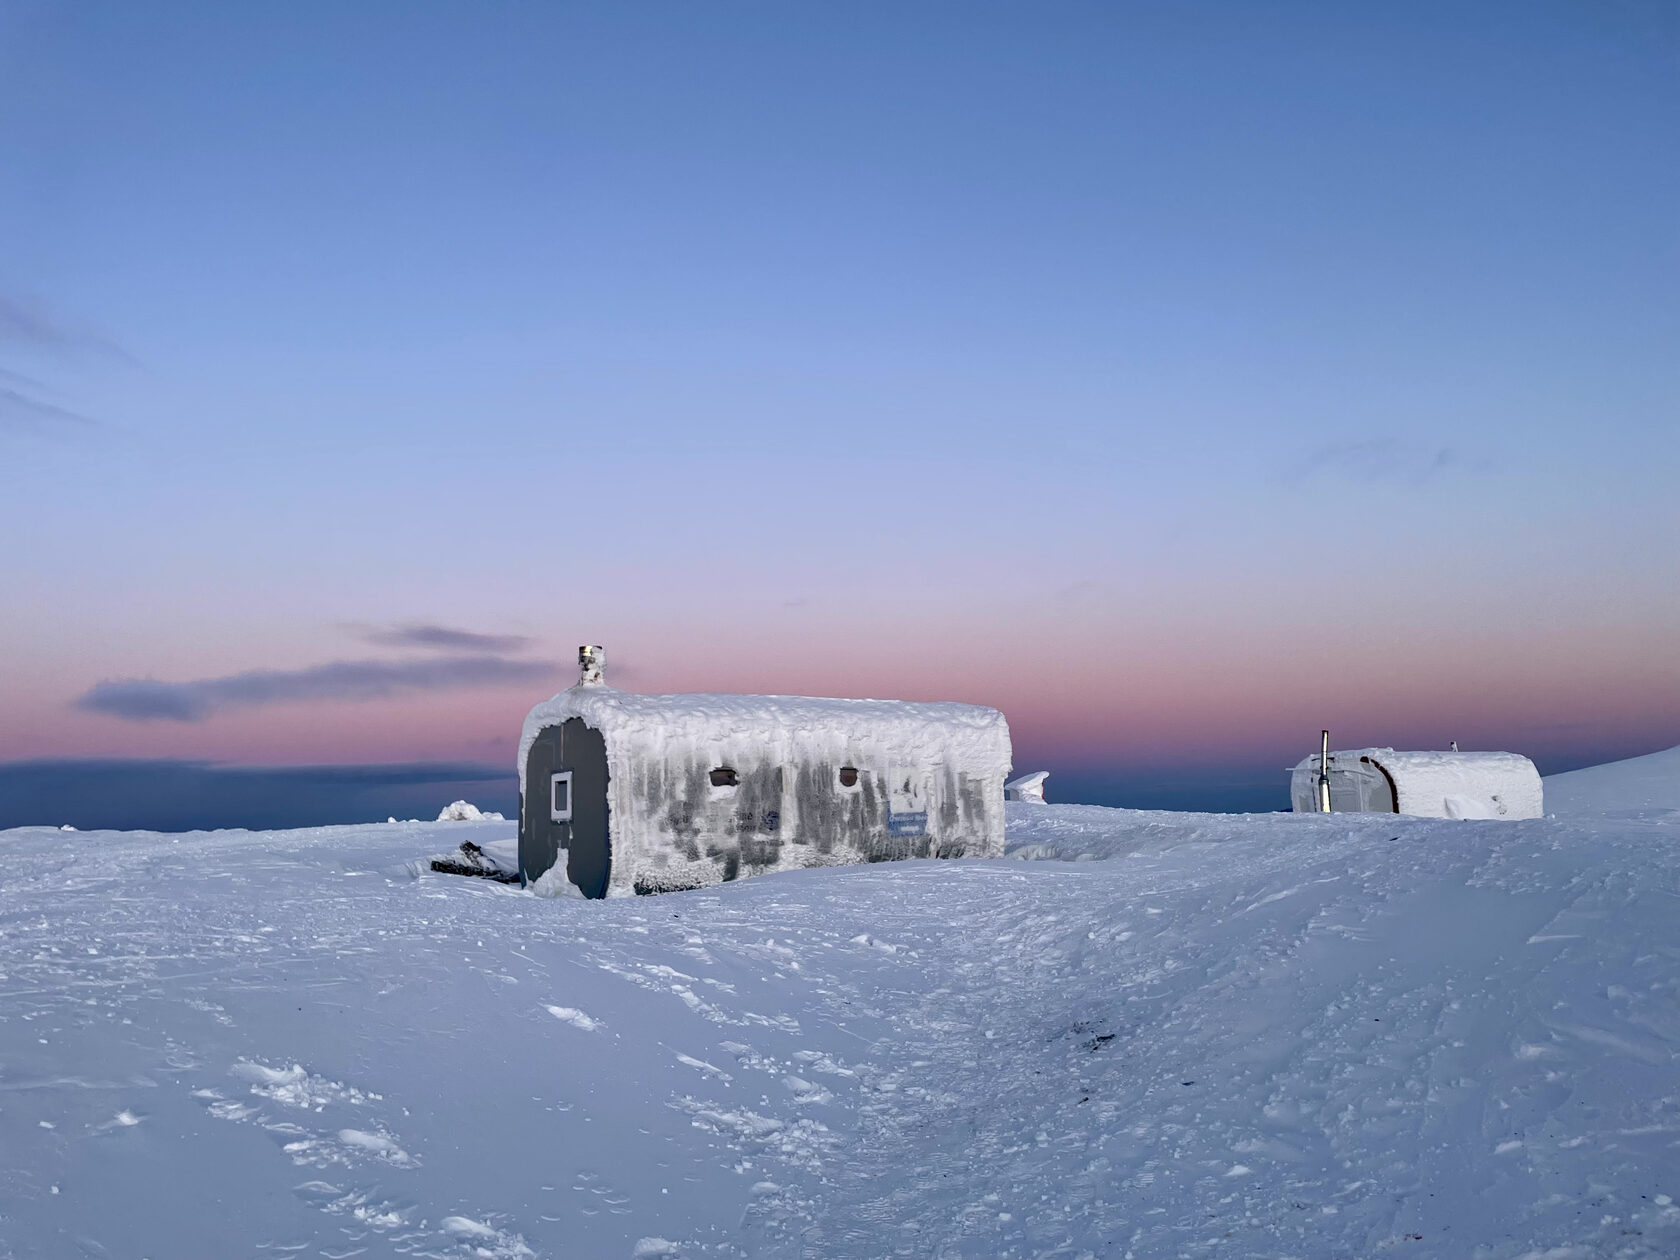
(802, 782)
(1426, 784)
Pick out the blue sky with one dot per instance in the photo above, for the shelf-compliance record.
(1262, 367)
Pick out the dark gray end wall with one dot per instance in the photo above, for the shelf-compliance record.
(583, 843)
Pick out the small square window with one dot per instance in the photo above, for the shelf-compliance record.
(560, 797)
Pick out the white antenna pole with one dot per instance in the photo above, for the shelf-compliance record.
(1324, 774)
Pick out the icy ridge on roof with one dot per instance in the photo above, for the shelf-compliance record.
(969, 734)
(1429, 758)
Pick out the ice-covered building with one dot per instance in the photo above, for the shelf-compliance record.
(622, 793)
(1428, 784)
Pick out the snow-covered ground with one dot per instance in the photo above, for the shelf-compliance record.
(1243, 1036)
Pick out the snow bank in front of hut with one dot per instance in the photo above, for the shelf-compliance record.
(1247, 1036)
(1095, 833)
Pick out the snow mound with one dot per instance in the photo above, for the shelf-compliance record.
(465, 811)
(1644, 783)
(1091, 833)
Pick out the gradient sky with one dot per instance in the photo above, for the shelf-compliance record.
(1179, 378)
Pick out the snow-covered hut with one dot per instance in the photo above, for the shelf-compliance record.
(1428, 784)
(622, 793)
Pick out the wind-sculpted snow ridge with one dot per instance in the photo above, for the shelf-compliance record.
(1258, 1036)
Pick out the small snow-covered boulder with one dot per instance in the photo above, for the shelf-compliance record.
(499, 862)
(465, 811)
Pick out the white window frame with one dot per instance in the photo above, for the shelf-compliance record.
(560, 815)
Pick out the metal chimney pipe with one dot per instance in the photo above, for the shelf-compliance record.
(1324, 774)
(592, 666)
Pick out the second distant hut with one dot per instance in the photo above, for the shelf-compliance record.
(1426, 784)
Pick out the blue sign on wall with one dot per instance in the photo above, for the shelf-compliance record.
(907, 824)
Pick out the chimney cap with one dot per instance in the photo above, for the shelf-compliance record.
(592, 665)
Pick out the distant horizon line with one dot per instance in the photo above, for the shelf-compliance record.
(467, 769)
(164, 794)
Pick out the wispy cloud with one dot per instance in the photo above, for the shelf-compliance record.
(146, 699)
(28, 327)
(1379, 460)
(18, 380)
(19, 410)
(29, 322)
(442, 638)
(1080, 591)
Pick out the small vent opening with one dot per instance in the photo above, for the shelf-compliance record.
(725, 776)
(848, 776)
